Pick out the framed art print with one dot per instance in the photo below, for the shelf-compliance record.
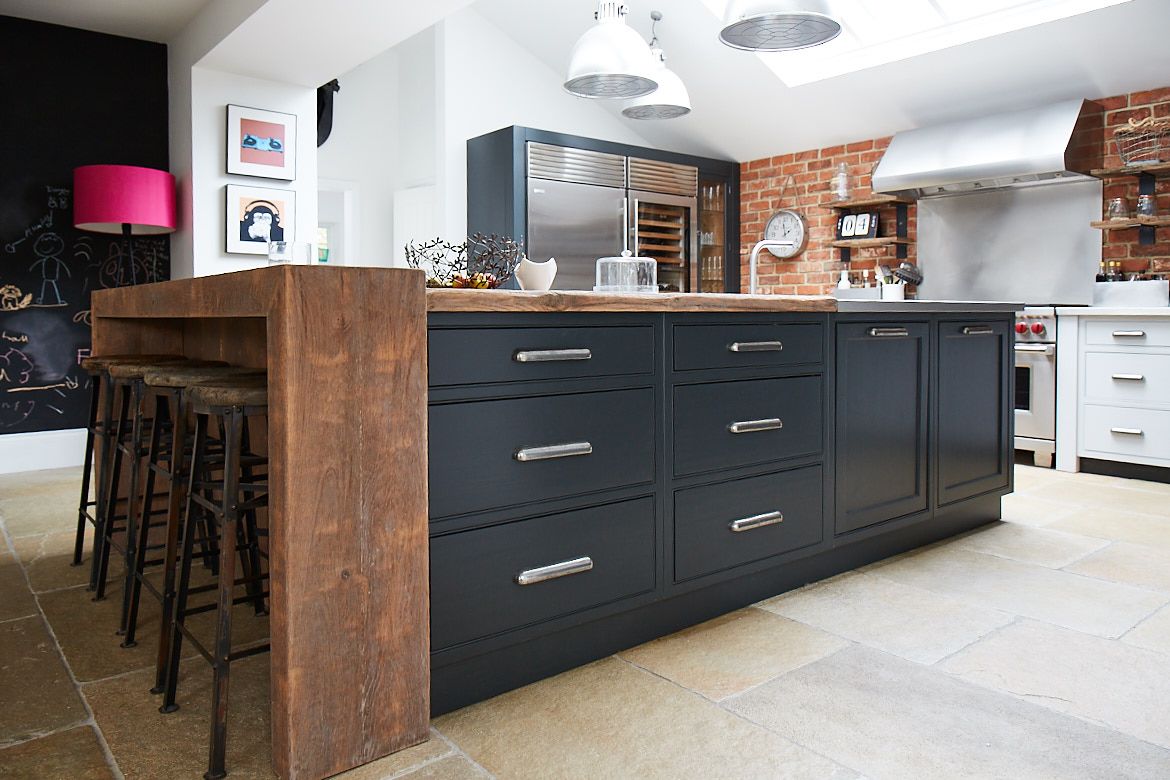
(261, 143)
(257, 215)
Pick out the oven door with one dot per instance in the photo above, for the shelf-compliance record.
(1036, 391)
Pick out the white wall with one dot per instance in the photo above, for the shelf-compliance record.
(363, 148)
(211, 92)
(488, 81)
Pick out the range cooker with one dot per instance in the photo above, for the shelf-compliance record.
(1035, 398)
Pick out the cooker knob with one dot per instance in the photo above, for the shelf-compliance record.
(1038, 328)
(1021, 328)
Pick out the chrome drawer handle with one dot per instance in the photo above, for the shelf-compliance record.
(751, 426)
(1046, 349)
(756, 521)
(978, 330)
(554, 451)
(755, 346)
(554, 571)
(1128, 431)
(889, 332)
(551, 355)
(1130, 377)
(1129, 334)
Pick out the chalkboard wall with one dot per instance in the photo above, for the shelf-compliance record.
(71, 98)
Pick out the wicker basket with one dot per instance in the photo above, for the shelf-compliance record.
(1143, 142)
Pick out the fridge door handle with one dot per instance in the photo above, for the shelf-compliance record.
(625, 224)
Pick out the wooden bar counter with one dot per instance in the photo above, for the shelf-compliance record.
(729, 455)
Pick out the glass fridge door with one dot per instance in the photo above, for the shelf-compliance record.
(663, 227)
(712, 235)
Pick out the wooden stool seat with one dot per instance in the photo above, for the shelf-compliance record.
(95, 364)
(130, 370)
(184, 375)
(238, 392)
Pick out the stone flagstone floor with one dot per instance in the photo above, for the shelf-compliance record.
(1038, 647)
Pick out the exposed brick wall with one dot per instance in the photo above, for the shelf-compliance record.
(762, 193)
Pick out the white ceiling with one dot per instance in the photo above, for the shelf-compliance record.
(150, 20)
(742, 110)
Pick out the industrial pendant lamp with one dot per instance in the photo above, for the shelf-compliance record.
(778, 25)
(610, 60)
(670, 100)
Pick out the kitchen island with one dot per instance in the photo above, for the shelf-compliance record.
(471, 490)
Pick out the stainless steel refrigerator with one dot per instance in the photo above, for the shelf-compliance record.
(583, 205)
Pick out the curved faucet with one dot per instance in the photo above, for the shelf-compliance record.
(760, 247)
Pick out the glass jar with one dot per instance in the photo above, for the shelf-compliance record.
(1118, 209)
(626, 274)
(1147, 206)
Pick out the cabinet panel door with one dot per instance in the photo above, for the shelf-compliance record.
(974, 430)
(882, 394)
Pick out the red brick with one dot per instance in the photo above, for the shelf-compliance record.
(1115, 118)
(860, 146)
(1159, 95)
(1114, 103)
(832, 151)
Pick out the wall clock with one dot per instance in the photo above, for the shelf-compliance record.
(787, 225)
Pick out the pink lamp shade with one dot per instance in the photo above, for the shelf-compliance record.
(106, 197)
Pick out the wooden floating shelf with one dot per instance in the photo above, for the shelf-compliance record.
(875, 200)
(1126, 224)
(1155, 169)
(868, 243)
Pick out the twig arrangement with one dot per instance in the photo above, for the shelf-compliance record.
(481, 262)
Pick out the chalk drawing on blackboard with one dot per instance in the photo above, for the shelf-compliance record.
(13, 413)
(43, 223)
(58, 197)
(48, 248)
(12, 298)
(83, 317)
(15, 338)
(70, 384)
(15, 367)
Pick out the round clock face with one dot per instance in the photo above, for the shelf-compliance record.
(787, 225)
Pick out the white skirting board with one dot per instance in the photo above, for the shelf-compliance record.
(41, 450)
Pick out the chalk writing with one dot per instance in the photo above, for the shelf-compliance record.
(83, 317)
(19, 338)
(43, 223)
(15, 366)
(13, 413)
(58, 197)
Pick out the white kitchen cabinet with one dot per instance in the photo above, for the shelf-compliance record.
(1113, 385)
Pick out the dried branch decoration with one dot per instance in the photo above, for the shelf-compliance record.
(490, 263)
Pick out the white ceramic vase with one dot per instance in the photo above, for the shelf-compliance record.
(536, 276)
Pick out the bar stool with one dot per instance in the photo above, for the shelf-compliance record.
(167, 457)
(129, 431)
(99, 429)
(224, 503)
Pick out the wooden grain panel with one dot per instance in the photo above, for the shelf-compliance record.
(345, 351)
(582, 301)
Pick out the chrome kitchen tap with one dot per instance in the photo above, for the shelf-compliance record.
(760, 247)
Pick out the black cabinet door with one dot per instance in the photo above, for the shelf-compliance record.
(881, 437)
(974, 424)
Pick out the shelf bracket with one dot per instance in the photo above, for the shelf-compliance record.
(903, 229)
(1147, 185)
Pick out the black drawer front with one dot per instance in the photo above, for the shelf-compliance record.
(704, 415)
(474, 589)
(704, 518)
(465, 356)
(747, 345)
(474, 448)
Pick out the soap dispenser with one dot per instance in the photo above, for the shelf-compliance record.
(844, 284)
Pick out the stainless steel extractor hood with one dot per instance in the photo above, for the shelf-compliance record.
(1039, 145)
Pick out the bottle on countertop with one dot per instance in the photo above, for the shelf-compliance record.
(1101, 276)
(844, 284)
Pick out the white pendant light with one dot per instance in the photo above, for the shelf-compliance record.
(610, 60)
(669, 101)
(778, 25)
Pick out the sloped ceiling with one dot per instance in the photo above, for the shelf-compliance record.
(157, 20)
(742, 111)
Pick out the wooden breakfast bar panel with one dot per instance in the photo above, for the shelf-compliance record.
(345, 351)
(579, 301)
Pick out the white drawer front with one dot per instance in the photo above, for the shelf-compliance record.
(1133, 378)
(1128, 332)
(1112, 430)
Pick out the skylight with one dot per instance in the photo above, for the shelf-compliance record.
(877, 32)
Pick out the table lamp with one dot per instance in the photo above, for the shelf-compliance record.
(124, 199)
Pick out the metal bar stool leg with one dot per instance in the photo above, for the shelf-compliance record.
(132, 500)
(105, 460)
(113, 479)
(175, 502)
(227, 575)
(136, 569)
(171, 684)
(84, 503)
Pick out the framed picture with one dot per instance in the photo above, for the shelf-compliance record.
(257, 215)
(261, 143)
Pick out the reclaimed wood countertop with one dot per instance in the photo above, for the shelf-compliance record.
(581, 301)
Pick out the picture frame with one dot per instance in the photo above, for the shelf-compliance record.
(254, 216)
(261, 143)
